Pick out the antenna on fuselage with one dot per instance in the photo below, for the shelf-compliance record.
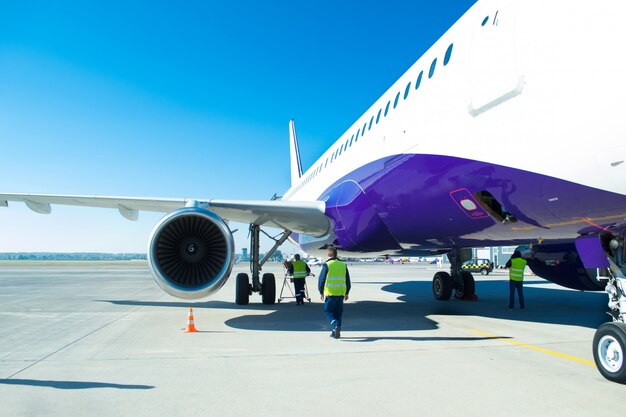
(294, 153)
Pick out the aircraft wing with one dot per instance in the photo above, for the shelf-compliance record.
(298, 216)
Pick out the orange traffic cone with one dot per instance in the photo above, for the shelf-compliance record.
(190, 326)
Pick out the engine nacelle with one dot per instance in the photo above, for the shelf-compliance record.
(191, 253)
(561, 264)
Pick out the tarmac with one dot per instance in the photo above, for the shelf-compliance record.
(106, 341)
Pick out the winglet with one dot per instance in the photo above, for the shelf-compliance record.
(294, 153)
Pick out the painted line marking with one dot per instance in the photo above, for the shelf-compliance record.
(536, 348)
(596, 225)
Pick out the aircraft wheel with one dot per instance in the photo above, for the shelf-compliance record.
(242, 289)
(268, 288)
(469, 286)
(609, 347)
(442, 286)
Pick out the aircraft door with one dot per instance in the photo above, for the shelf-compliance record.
(495, 76)
(612, 163)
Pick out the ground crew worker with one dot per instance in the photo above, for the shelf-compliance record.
(516, 266)
(334, 286)
(299, 270)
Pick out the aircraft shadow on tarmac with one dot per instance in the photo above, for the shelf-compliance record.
(543, 305)
(71, 384)
(286, 316)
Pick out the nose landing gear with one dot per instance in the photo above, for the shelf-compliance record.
(609, 342)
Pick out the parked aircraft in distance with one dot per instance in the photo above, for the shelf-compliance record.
(508, 131)
(313, 261)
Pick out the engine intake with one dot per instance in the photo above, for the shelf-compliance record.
(191, 253)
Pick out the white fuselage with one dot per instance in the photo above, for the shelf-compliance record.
(537, 87)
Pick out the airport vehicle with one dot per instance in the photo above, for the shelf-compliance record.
(538, 85)
(484, 266)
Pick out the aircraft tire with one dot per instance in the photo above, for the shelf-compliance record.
(609, 348)
(442, 286)
(469, 286)
(242, 289)
(268, 289)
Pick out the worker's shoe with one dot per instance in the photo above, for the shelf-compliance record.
(337, 332)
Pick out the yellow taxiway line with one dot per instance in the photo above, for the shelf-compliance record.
(536, 348)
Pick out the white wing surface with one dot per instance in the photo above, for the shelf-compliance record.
(298, 216)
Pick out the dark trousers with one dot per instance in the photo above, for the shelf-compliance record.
(298, 285)
(516, 285)
(333, 307)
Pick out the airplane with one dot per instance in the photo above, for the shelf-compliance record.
(313, 261)
(507, 131)
(401, 259)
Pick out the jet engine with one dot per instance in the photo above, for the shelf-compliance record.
(561, 264)
(191, 253)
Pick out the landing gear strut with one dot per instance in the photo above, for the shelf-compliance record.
(609, 342)
(459, 281)
(267, 285)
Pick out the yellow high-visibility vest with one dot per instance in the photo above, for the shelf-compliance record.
(299, 269)
(335, 284)
(516, 272)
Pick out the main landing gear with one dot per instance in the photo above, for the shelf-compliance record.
(266, 285)
(609, 342)
(459, 281)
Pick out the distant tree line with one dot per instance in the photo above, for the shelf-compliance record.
(277, 256)
(78, 256)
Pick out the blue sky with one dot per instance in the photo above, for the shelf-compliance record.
(183, 99)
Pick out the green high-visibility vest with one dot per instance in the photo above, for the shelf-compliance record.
(299, 269)
(516, 272)
(335, 284)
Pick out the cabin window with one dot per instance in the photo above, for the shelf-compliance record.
(419, 80)
(356, 138)
(432, 68)
(351, 139)
(363, 131)
(387, 108)
(446, 58)
(371, 121)
(378, 117)
(395, 102)
(485, 20)
(407, 89)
